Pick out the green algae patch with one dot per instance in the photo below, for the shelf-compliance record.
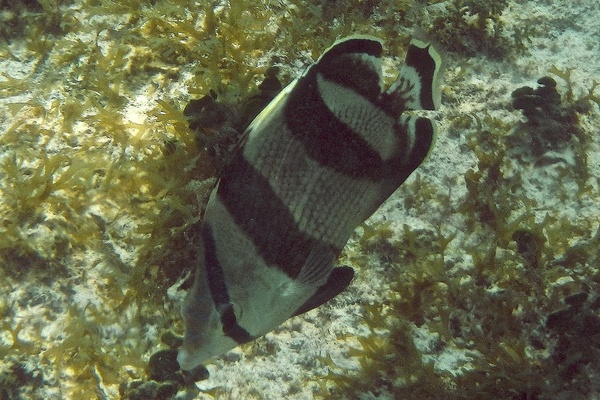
(102, 180)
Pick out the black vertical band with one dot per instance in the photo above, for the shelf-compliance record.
(218, 289)
(265, 219)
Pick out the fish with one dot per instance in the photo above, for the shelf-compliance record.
(312, 166)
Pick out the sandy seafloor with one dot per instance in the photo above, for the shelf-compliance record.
(42, 297)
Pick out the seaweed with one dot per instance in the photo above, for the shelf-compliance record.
(101, 198)
(17, 377)
(529, 246)
(550, 123)
(214, 125)
(165, 377)
(474, 26)
(552, 132)
(577, 329)
(511, 266)
(494, 316)
(37, 15)
(218, 125)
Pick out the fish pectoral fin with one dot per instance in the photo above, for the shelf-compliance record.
(338, 280)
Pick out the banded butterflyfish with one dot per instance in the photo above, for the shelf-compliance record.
(312, 166)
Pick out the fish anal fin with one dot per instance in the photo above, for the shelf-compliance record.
(337, 281)
(318, 265)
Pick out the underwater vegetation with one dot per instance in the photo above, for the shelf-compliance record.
(577, 329)
(552, 133)
(475, 27)
(552, 124)
(104, 174)
(513, 316)
(219, 126)
(102, 179)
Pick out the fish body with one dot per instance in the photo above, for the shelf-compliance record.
(312, 166)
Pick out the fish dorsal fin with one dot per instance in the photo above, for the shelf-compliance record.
(354, 63)
(338, 280)
(418, 85)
